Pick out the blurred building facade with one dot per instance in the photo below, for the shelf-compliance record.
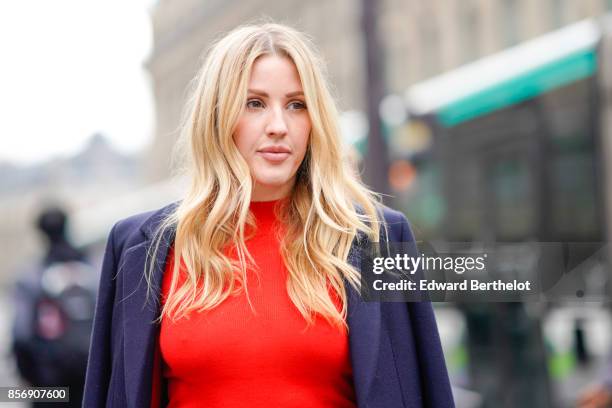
(420, 38)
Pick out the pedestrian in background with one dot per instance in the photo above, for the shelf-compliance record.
(54, 305)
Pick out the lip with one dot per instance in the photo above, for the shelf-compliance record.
(274, 156)
(274, 149)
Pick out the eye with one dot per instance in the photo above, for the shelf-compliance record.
(254, 104)
(297, 105)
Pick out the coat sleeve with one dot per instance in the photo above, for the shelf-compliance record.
(436, 385)
(99, 362)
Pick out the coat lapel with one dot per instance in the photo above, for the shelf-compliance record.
(141, 309)
(364, 321)
(140, 313)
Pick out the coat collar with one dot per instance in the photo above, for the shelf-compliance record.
(141, 309)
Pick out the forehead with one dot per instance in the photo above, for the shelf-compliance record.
(275, 71)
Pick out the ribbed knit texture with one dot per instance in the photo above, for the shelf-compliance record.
(233, 357)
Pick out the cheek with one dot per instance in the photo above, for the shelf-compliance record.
(303, 136)
(243, 139)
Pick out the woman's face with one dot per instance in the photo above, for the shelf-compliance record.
(273, 130)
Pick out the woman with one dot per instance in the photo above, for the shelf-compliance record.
(245, 294)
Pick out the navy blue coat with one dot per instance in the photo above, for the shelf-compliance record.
(395, 349)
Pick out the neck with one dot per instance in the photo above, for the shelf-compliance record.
(270, 193)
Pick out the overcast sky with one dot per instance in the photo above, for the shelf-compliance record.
(70, 68)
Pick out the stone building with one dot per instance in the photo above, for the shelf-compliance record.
(420, 38)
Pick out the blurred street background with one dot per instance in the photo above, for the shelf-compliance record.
(482, 120)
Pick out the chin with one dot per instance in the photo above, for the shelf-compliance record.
(274, 180)
(271, 183)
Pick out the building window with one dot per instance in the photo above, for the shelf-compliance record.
(557, 13)
(509, 22)
(469, 26)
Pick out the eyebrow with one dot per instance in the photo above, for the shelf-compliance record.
(262, 93)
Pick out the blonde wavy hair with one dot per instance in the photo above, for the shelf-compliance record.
(326, 211)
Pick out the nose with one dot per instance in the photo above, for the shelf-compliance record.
(276, 126)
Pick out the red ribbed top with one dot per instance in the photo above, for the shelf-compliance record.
(233, 357)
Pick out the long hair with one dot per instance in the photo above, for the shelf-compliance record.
(326, 210)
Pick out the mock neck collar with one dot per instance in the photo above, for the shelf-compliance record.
(255, 205)
(265, 210)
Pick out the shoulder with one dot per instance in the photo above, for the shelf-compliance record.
(386, 214)
(397, 225)
(392, 217)
(139, 227)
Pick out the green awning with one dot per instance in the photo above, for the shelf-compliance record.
(570, 68)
